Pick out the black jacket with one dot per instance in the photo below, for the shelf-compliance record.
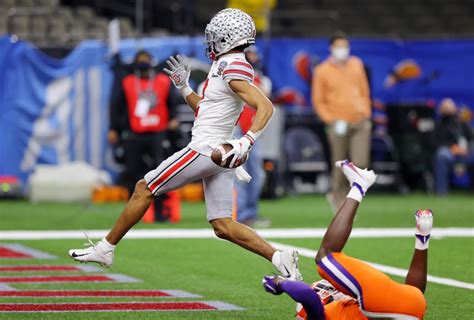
(118, 110)
(449, 130)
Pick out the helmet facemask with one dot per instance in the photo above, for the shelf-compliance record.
(215, 44)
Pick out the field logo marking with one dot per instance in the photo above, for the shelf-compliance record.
(13, 293)
(19, 251)
(69, 279)
(119, 306)
(48, 268)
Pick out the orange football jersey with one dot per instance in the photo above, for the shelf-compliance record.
(347, 309)
(343, 310)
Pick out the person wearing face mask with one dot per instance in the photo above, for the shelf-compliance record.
(142, 109)
(341, 99)
(454, 144)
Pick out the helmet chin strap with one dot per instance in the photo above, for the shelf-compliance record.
(212, 55)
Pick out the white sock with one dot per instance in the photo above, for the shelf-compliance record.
(356, 194)
(276, 259)
(106, 246)
(422, 242)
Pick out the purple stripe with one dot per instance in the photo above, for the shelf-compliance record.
(423, 239)
(355, 184)
(349, 276)
(345, 163)
(336, 279)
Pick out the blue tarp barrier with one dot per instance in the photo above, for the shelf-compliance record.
(447, 67)
(54, 111)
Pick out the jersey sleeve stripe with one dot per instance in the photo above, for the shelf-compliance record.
(237, 73)
(238, 63)
(240, 67)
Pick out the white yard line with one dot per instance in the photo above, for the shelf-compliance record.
(305, 252)
(296, 233)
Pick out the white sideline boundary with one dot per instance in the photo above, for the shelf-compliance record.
(305, 252)
(296, 233)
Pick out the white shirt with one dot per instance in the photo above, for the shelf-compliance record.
(220, 107)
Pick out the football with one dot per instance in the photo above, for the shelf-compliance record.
(219, 152)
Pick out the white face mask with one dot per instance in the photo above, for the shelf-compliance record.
(340, 53)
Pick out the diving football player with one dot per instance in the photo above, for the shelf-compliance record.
(351, 288)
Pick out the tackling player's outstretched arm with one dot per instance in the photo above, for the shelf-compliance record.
(298, 291)
(255, 98)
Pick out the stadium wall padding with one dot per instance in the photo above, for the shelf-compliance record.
(54, 111)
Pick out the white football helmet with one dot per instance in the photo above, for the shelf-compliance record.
(228, 29)
(327, 293)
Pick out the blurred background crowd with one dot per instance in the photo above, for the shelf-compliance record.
(388, 84)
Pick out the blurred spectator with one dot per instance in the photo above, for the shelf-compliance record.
(341, 98)
(379, 118)
(248, 194)
(454, 144)
(141, 110)
(257, 9)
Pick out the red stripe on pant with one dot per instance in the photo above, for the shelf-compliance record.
(165, 175)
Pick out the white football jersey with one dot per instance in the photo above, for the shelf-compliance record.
(220, 107)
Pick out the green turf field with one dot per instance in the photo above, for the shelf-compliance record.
(218, 270)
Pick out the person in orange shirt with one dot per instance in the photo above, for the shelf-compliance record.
(352, 289)
(341, 99)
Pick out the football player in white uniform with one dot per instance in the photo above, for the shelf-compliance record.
(228, 86)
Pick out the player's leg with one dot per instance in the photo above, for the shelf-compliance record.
(162, 179)
(417, 273)
(132, 157)
(360, 142)
(219, 201)
(374, 290)
(341, 226)
(153, 183)
(339, 150)
(242, 235)
(132, 213)
(339, 230)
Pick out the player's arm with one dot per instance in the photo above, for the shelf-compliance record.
(304, 294)
(299, 292)
(179, 74)
(192, 100)
(255, 98)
